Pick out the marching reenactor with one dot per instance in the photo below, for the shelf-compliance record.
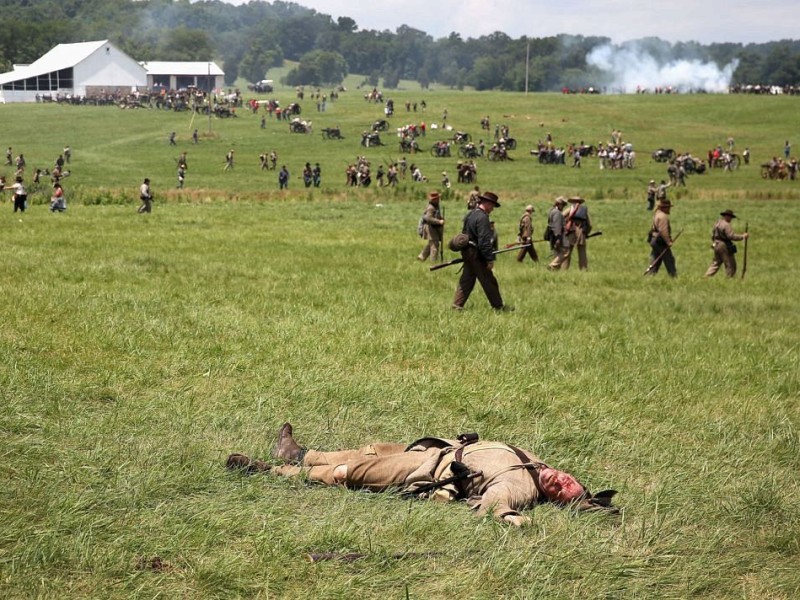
(432, 229)
(526, 235)
(479, 256)
(660, 239)
(722, 238)
(557, 233)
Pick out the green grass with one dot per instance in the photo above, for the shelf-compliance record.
(137, 351)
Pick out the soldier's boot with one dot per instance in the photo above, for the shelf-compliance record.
(286, 448)
(241, 462)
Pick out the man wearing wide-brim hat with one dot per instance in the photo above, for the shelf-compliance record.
(660, 239)
(722, 238)
(479, 255)
(432, 229)
(578, 226)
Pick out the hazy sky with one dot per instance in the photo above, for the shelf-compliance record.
(703, 21)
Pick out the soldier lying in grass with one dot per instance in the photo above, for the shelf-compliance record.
(493, 477)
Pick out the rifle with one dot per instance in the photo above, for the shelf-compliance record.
(744, 258)
(511, 246)
(660, 256)
(441, 240)
(456, 261)
(516, 244)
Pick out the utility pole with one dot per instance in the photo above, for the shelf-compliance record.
(527, 62)
(208, 98)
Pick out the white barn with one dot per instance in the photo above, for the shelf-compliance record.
(82, 69)
(96, 68)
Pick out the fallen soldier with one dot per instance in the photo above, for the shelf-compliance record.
(492, 477)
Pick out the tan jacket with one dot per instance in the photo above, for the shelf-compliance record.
(724, 231)
(506, 486)
(525, 227)
(661, 226)
(433, 222)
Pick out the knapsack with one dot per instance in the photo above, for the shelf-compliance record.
(421, 226)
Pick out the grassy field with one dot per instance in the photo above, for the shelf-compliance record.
(137, 351)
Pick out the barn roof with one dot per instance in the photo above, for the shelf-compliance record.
(64, 56)
(60, 57)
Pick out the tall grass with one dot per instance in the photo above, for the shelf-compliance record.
(137, 351)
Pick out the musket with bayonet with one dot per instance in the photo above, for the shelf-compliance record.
(456, 261)
(660, 256)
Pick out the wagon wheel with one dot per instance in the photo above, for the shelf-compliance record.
(511, 144)
(735, 161)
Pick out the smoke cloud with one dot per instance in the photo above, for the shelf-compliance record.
(631, 67)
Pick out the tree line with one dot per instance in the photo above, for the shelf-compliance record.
(249, 39)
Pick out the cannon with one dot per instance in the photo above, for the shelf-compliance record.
(298, 126)
(663, 155)
(332, 133)
(371, 139)
(468, 150)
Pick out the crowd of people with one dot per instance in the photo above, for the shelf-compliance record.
(19, 190)
(568, 228)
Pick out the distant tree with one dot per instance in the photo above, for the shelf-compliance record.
(487, 74)
(366, 51)
(448, 61)
(750, 69)
(261, 56)
(318, 68)
(423, 78)
(297, 36)
(408, 50)
(231, 68)
(391, 79)
(186, 44)
(782, 66)
(346, 25)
